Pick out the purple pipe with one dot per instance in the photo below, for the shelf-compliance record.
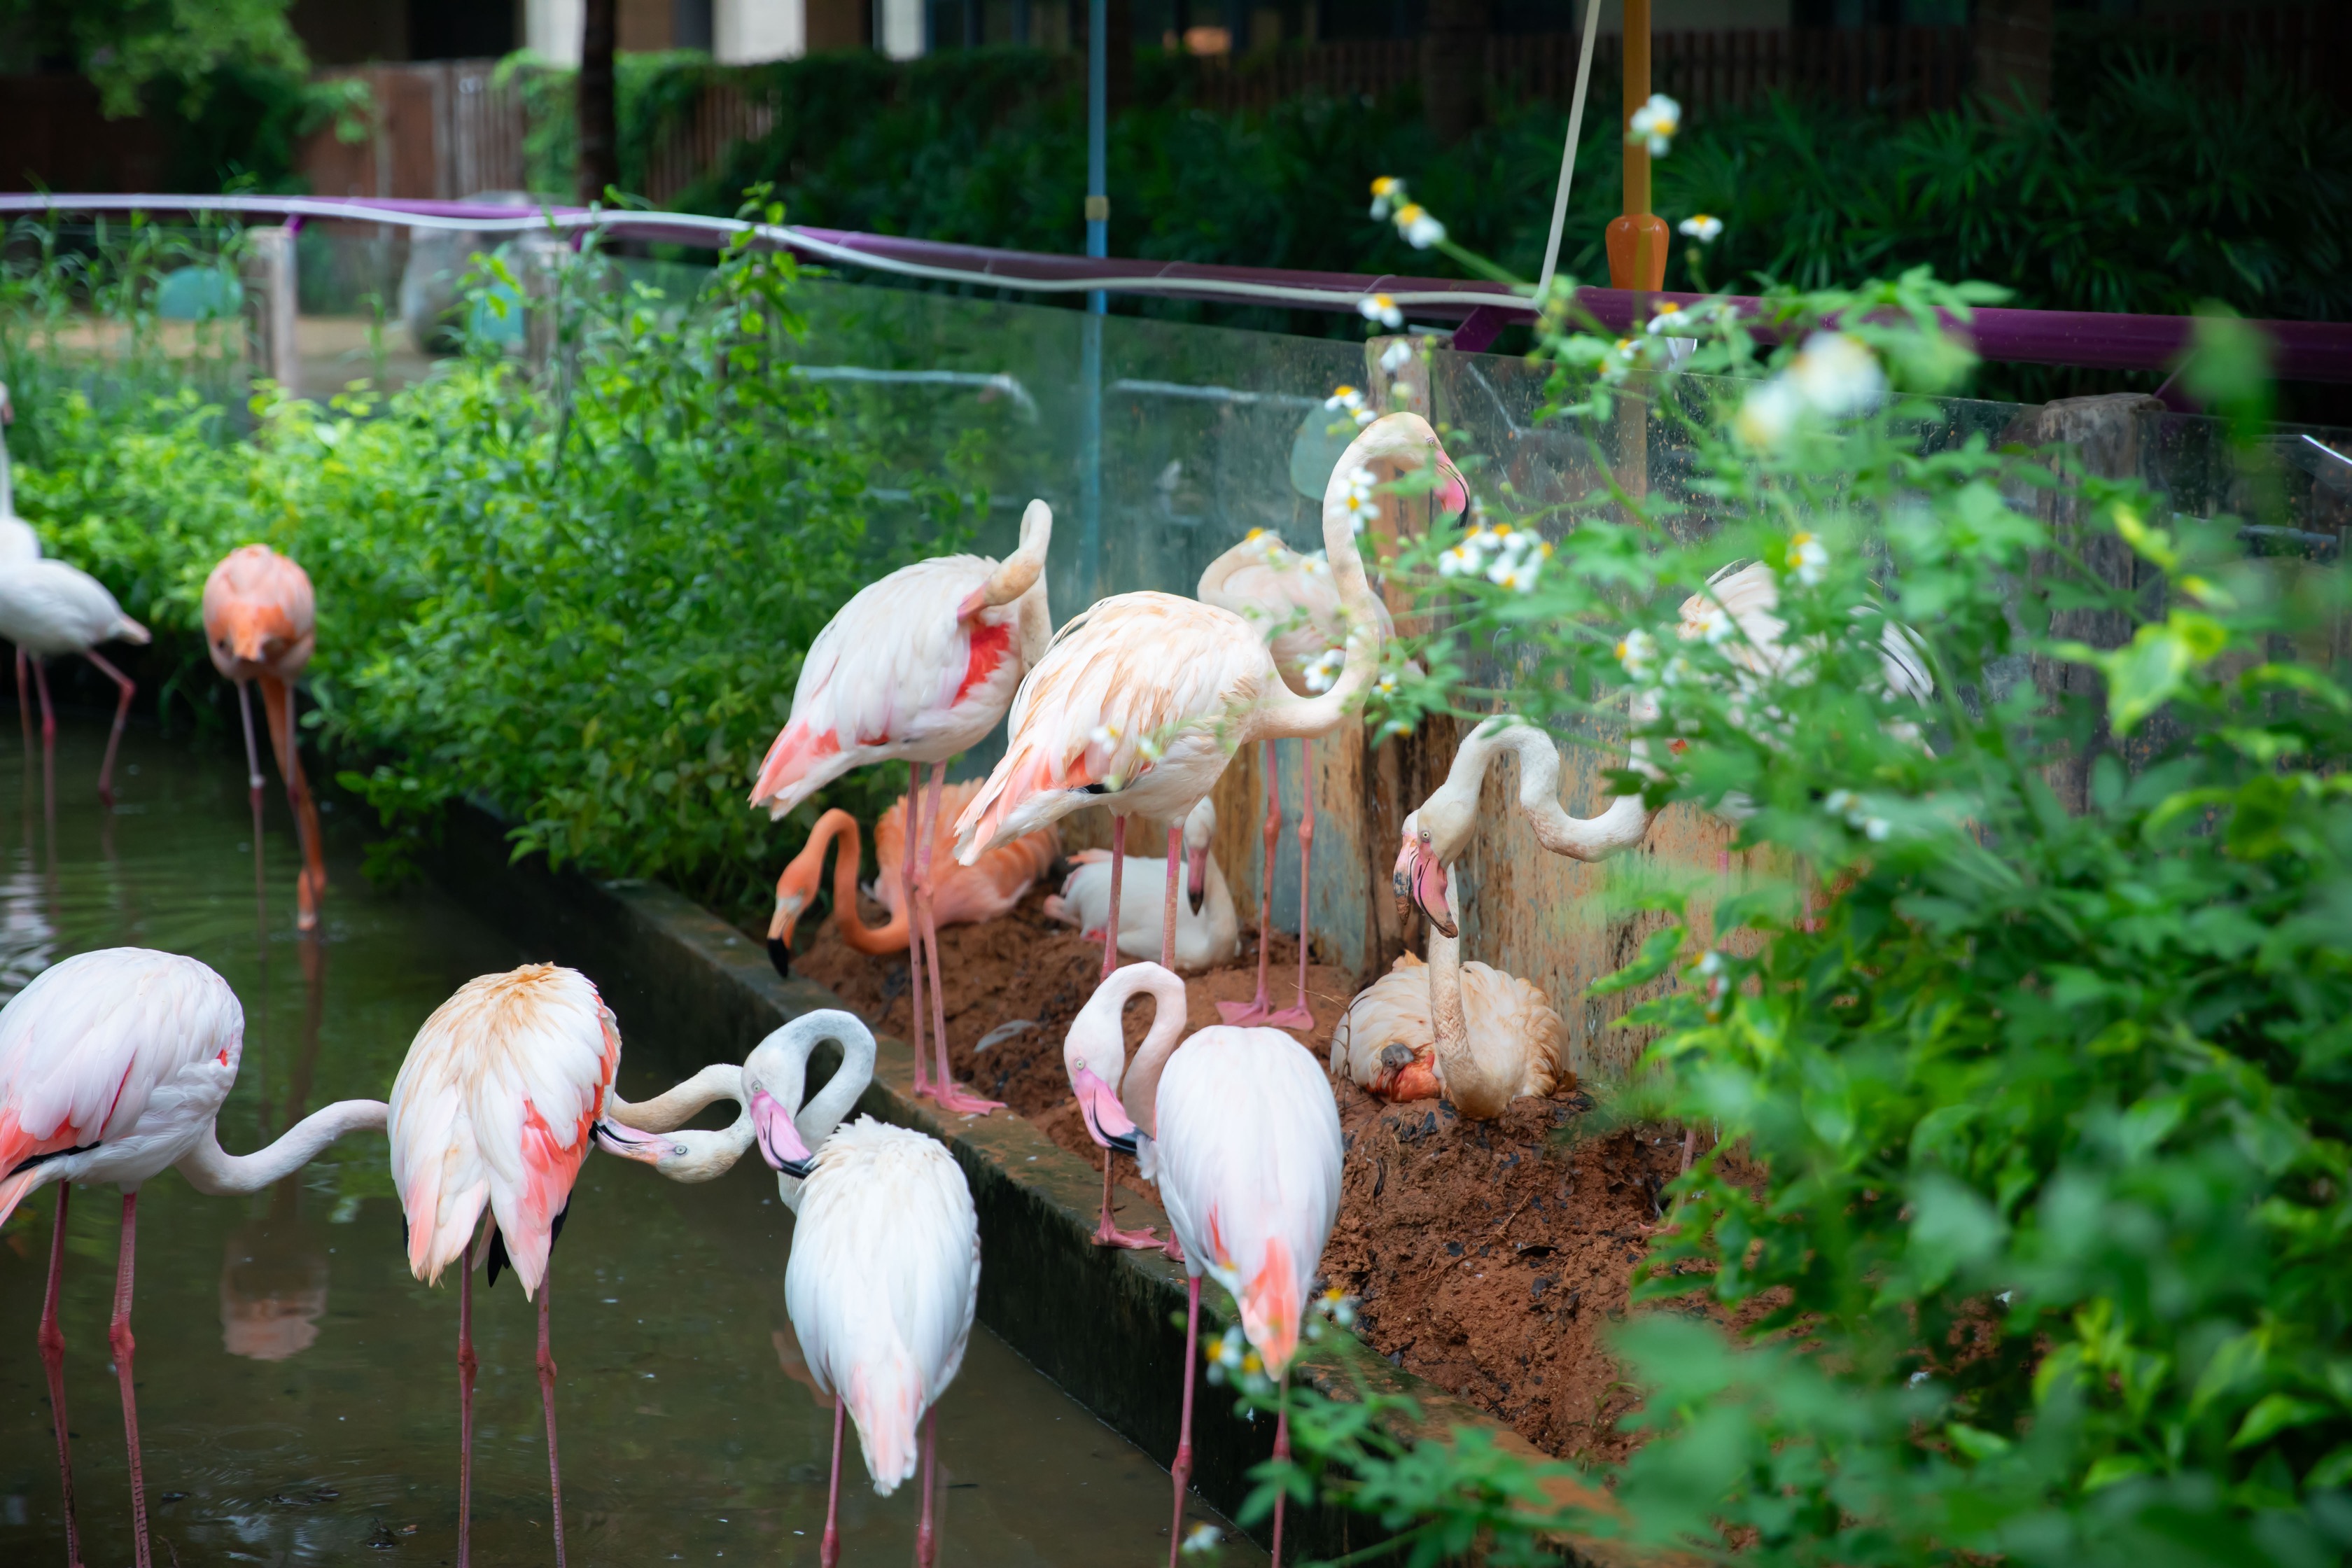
(2304, 351)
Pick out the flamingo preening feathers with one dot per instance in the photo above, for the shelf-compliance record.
(114, 1065)
(260, 624)
(1142, 699)
(1239, 1129)
(1207, 929)
(961, 895)
(916, 668)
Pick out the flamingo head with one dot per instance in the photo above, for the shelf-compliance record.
(1410, 437)
(795, 890)
(1094, 1054)
(1200, 827)
(1422, 878)
(780, 1142)
(249, 632)
(645, 1148)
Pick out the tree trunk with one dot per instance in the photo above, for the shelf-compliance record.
(2013, 52)
(600, 154)
(1453, 66)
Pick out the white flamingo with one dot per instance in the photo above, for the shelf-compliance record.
(18, 543)
(49, 608)
(917, 667)
(114, 1065)
(1141, 700)
(1208, 928)
(1239, 1129)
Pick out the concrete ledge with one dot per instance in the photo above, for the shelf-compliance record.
(693, 990)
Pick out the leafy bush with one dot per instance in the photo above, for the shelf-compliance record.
(2038, 1244)
(583, 599)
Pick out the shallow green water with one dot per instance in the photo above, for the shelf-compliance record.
(296, 1389)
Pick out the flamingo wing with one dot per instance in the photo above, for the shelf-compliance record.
(895, 672)
(255, 596)
(494, 1106)
(124, 1044)
(48, 607)
(1247, 1158)
(882, 1283)
(1514, 1014)
(1391, 1011)
(1134, 682)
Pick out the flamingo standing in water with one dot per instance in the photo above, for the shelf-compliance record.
(18, 543)
(1294, 603)
(1141, 701)
(917, 667)
(114, 1065)
(260, 624)
(1241, 1134)
(884, 1276)
(47, 608)
(961, 895)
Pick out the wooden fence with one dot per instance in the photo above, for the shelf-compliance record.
(724, 115)
(442, 130)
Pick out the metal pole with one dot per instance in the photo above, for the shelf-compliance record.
(1090, 507)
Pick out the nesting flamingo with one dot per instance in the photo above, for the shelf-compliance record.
(1294, 603)
(917, 667)
(1239, 1129)
(49, 608)
(961, 895)
(884, 1276)
(1141, 701)
(1208, 931)
(114, 1065)
(260, 624)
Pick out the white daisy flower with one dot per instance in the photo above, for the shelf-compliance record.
(1351, 401)
(1638, 652)
(1104, 735)
(1388, 194)
(1387, 684)
(1398, 354)
(1324, 673)
(1769, 415)
(1809, 559)
(1711, 964)
(1702, 228)
(1656, 123)
(1837, 373)
(1382, 309)
(1420, 230)
(1877, 828)
(1838, 802)
(1202, 1537)
(1715, 625)
(1676, 322)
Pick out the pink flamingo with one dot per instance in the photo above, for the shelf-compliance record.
(1141, 700)
(1240, 1131)
(1294, 603)
(260, 623)
(963, 895)
(917, 667)
(114, 1065)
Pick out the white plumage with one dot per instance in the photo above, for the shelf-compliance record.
(1204, 936)
(883, 1282)
(47, 608)
(18, 543)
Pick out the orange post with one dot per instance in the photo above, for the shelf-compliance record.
(1637, 240)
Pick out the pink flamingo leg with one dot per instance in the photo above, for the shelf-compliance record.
(953, 1098)
(53, 1361)
(1118, 867)
(828, 1552)
(1168, 897)
(1254, 1010)
(1181, 1470)
(119, 1339)
(253, 794)
(48, 720)
(1108, 1234)
(927, 1545)
(1300, 1017)
(1281, 1453)
(467, 1366)
(547, 1398)
(129, 688)
(24, 701)
(914, 929)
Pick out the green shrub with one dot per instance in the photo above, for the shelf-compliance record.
(583, 600)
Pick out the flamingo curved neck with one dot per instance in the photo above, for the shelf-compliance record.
(889, 937)
(1623, 823)
(1476, 1090)
(779, 1065)
(671, 1108)
(216, 1172)
(1139, 1083)
(1286, 714)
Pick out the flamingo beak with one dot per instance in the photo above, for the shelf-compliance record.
(1107, 1120)
(779, 1140)
(789, 905)
(1421, 881)
(1454, 494)
(645, 1148)
(1196, 873)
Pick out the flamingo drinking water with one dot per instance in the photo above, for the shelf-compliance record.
(114, 1065)
(917, 667)
(260, 625)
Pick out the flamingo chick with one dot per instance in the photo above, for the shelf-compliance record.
(260, 624)
(1240, 1131)
(961, 895)
(917, 667)
(49, 608)
(1207, 930)
(114, 1065)
(1141, 701)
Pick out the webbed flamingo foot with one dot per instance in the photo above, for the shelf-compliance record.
(1257, 1010)
(956, 1101)
(1298, 1018)
(1108, 1235)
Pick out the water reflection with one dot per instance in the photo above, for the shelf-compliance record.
(273, 1285)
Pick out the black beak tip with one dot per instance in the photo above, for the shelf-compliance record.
(781, 956)
(798, 1170)
(1124, 1143)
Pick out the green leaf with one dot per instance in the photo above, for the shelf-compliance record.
(2274, 1414)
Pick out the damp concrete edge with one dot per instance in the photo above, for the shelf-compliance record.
(1106, 1326)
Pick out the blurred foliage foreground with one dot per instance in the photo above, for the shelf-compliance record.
(580, 598)
(2048, 1258)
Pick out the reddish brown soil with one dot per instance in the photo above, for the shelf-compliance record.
(1490, 1258)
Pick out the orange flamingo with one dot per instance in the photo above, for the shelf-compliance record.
(260, 624)
(961, 895)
